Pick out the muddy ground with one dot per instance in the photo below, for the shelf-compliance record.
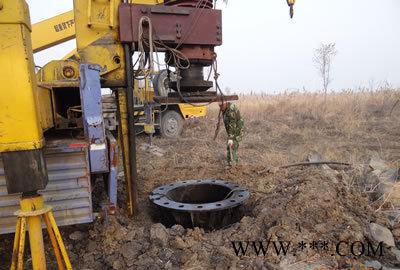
(319, 206)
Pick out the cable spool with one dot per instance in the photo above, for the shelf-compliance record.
(191, 3)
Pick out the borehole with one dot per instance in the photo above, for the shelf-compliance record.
(199, 193)
(209, 204)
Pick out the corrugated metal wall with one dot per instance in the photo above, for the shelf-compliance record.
(68, 190)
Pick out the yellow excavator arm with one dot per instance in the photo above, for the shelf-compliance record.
(53, 31)
(61, 28)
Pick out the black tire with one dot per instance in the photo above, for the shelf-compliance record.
(171, 124)
(161, 83)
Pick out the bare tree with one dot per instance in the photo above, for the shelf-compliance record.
(323, 62)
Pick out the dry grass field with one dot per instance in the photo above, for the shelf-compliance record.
(347, 126)
(294, 204)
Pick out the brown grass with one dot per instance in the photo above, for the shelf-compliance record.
(348, 126)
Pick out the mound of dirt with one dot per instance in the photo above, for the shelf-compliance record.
(287, 208)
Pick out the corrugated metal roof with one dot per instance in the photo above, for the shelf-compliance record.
(68, 190)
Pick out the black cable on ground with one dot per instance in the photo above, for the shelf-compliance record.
(307, 164)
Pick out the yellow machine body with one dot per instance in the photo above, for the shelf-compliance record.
(59, 73)
(191, 111)
(45, 107)
(20, 124)
(144, 91)
(96, 26)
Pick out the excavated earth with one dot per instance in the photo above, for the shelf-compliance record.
(302, 204)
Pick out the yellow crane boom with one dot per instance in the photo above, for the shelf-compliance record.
(61, 28)
(53, 31)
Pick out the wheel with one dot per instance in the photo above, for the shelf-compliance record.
(171, 124)
(161, 83)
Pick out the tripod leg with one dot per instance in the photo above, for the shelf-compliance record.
(53, 242)
(16, 244)
(59, 240)
(36, 242)
(21, 247)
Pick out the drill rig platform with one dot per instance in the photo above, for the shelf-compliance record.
(66, 133)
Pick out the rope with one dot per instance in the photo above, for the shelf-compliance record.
(142, 58)
(218, 127)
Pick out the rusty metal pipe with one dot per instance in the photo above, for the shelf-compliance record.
(131, 124)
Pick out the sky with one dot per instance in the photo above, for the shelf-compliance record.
(265, 51)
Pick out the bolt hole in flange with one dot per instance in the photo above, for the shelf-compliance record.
(209, 204)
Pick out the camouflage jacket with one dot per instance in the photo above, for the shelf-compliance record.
(233, 122)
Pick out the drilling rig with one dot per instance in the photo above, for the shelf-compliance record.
(53, 139)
